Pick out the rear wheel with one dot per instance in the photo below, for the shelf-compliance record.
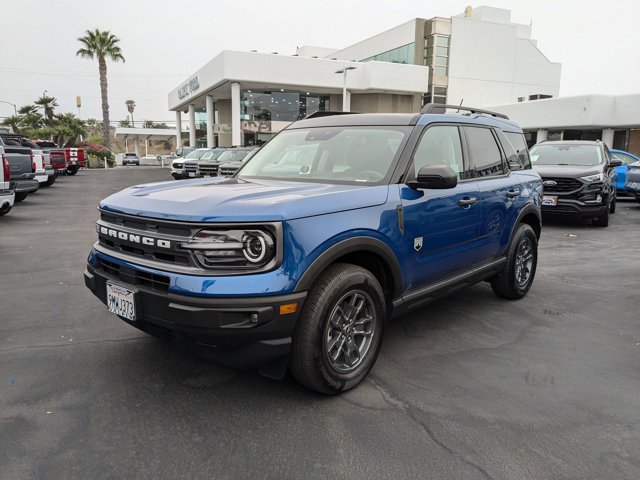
(517, 276)
(612, 207)
(7, 208)
(21, 196)
(339, 334)
(72, 170)
(51, 180)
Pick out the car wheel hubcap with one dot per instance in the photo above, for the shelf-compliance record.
(524, 262)
(349, 331)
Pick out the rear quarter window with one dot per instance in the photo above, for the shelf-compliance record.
(519, 144)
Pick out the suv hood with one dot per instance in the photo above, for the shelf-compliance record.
(568, 171)
(232, 200)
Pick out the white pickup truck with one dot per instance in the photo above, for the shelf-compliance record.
(7, 196)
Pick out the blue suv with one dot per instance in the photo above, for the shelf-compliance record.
(335, 226)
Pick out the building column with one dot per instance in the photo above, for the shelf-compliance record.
(178, 128)
(541, 135)
(137, 143)
(192, 125)
(346, 101)
(607, 137)
(210, 122)
(236, 138)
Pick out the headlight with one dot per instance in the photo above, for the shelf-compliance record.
(234, 249)
(598, 177)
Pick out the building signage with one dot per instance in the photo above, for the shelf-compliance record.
(188, 88)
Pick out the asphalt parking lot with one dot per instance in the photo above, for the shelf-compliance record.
(470, 387)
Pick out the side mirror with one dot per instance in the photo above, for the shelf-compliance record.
(435, 177)
(615, 162)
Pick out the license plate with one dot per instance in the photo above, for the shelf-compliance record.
(549, 200)
(191, 174)
(121, 301)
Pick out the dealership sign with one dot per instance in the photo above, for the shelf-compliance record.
(188, 88)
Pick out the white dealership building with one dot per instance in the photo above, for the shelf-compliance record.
(477, 58)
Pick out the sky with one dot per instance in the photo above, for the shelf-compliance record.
(164, 42)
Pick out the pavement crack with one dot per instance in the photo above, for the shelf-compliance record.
(69, 344)
(397, 402)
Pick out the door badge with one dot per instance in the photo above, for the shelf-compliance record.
(417, 244)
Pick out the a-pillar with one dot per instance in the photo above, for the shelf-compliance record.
(210, 122)
(607, 137)
(192, 125)
(236, 138)
(178, 128)
(541, 135)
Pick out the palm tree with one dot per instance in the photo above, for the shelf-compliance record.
(28, 110)
(148, 124)
(14, 121)
(47, 104)
(131, 106)
(101, 44)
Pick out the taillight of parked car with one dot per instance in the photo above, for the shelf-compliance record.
(6, 168)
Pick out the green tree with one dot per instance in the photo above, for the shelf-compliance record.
(131, 106)
(148, 124)
(124, 123)
(47, 104)
(101, 45)
(14, 121)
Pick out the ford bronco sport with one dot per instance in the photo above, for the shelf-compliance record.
(299, 264)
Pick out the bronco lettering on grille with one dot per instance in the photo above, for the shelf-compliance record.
(130, 237)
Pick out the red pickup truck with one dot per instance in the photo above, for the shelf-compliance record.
(64, 160)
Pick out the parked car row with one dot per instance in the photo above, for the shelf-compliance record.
(28, 165)
(211, 162)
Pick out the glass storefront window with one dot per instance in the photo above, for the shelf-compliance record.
(402, 54)
(282, 106)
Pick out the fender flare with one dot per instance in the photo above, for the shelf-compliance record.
(526, 210)
(351, 245)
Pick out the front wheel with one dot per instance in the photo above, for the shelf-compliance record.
(339, 334)
(612, 207)
(5, 210)
(517, 275)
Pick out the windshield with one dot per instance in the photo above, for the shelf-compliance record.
(196, 154)
(211, 154)
(583, 155)
(234, 155)
(334, 154)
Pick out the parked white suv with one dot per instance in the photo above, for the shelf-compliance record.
(7, 196)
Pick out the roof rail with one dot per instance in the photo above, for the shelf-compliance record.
(440, 108)
(319, 114)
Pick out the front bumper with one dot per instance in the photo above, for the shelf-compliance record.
(242, 332)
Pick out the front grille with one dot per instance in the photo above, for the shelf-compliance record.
(191, 167)
(228, 170)
(208, 169)
(133, 276)
(147, 228)
(563, 185)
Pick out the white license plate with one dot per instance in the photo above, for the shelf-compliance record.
(191, 174)
(549, 200)
(121, 301)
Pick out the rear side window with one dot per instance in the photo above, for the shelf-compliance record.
(486, 156)
(519, 144)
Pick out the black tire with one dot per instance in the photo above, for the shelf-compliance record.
(517, 276)
(5, 210)
(21, 196)
(50, 181)
(612, 207)
(602, 220)
(330, 298)
(72, 170)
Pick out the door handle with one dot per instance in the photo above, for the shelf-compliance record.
(513, 193)
(465, 202)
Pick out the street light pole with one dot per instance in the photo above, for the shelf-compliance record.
(343, 71)
(15, 109)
